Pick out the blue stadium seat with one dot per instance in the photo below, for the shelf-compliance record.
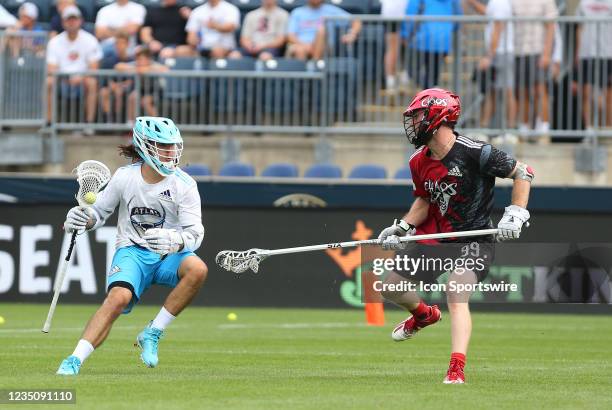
(192, 4)
(375, 7)
(277, 94)
(246, 5)
(89, 27)
(342, 82)
(22, 79)
(185, 87)
(291, 4)
(323, 171)
(403, 173)
(101, 3)
(230, 99)
(88, 9)
(352, 6)
(368, 171)
(44, 8)
(197, 170)
(150, 3)
(280, 171)
(237, 169)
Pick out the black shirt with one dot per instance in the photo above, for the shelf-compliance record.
(460, 186)
(167, 24)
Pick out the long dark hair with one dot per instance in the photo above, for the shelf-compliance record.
(129, 151)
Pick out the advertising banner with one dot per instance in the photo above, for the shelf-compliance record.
(560, 258)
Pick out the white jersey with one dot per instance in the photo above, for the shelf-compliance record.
(173, 203)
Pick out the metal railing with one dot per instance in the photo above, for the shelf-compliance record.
(346, 92)
(22, 78)
(200, 101)
(573, 94)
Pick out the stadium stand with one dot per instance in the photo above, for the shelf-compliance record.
(403, 173)
(200, 170)
(280, 170)
(368, 171)
(323, 171)
(237, 169)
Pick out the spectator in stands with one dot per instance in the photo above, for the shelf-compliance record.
(28, 16)
(56, 18)
(163, 31)
(115, 89)
(594, 60)
(306, 32)
(264, 32)
(497, 65)
(429, 41)
(392, 9)
(143, 64)
(6, 18)
(211, 28)
(121, 15)
(73, 52)
(533, 50)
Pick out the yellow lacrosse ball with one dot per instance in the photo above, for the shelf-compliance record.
(90, 198)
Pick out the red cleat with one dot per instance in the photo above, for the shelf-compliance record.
(409, 327)
(454, 375)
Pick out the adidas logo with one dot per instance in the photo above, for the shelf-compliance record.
(166, 195)
(455, 172)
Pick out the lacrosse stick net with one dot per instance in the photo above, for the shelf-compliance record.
(92, 176)
(239, 262)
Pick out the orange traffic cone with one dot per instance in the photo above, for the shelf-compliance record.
(375, 314)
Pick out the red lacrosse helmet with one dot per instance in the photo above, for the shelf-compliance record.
(427, 111)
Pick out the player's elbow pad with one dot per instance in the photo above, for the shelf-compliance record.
(192, 237)
(524, 172)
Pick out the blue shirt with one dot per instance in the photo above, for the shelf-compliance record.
(305, 21)
(432, 36)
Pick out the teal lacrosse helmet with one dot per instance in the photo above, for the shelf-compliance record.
(159, 143)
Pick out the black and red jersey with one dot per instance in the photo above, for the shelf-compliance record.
(460, 186)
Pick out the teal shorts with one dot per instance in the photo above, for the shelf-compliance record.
(137, 268)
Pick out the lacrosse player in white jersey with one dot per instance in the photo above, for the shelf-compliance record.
(158, 229)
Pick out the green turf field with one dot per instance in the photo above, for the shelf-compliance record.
(271, 358)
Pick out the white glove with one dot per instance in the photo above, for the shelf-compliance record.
(511, 223)
(77, 219)
(163, 241)
(391, 235)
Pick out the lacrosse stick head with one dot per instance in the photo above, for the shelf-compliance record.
(239, 262)
(92, 176)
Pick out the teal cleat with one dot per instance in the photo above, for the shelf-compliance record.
(148, 340)
(70, 366)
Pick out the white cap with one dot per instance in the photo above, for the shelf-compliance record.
(71, 11)
(30, 10)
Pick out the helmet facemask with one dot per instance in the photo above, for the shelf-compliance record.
(162, 157)
(416, 126)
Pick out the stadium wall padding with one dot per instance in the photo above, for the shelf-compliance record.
(259, 192)
(32, 243)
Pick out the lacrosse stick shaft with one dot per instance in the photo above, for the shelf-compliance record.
(352, 244)
(59, 281)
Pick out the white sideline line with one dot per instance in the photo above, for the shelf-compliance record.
(331, 325)
(70, 329)
(227, 326)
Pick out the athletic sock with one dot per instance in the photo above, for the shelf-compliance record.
(459, 358)
(421, 312)
(83, 350)
(163, 319)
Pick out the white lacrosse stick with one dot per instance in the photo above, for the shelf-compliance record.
(92, 176)
(239, 262)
